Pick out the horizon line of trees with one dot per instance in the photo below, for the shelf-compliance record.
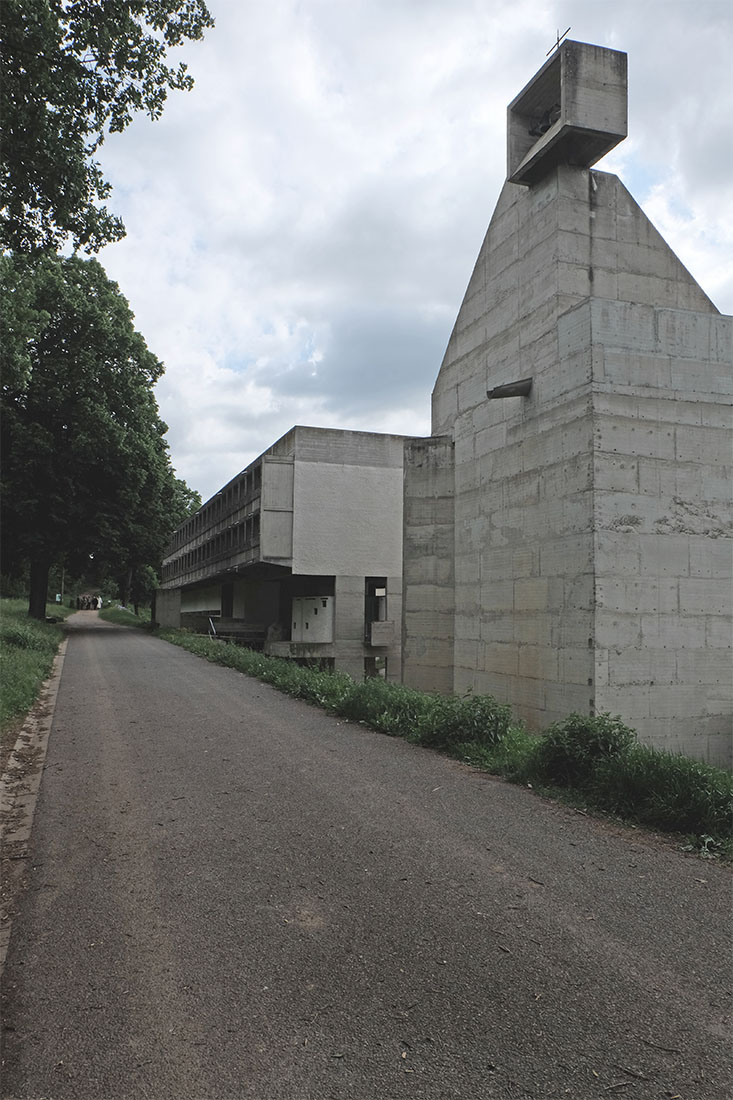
(85, 473)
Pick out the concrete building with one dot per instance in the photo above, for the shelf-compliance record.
(301, 554)
(563, 538)
(567, 539)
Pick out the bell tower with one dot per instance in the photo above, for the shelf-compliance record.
(567, 541)
(573, 111)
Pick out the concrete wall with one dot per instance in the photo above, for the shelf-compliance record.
(523, 466)
(257, 601)
(347, 504)
(428, 576)
(168, 608)
(201, 599)
(590, 540)
(276, 510)
(663, 524)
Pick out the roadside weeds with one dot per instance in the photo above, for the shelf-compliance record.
(594, 764)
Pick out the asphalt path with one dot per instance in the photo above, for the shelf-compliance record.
(234, 895)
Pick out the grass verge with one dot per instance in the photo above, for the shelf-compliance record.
(27, 650)
(122, 617)
(592, 762)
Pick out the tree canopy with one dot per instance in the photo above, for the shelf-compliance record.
(71, 71)
(85, 467)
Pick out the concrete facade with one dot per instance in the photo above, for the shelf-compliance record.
(573, 111)
(564, 538)
(312, 528)
(588, 567)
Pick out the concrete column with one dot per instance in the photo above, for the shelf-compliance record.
(348, 627)
(168, 607)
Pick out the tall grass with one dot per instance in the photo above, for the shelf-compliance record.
(27, 650)
(434, 720)
(665, 790)
(122, 617)
(600, 759)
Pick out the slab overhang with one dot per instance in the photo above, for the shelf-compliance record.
(573, 111)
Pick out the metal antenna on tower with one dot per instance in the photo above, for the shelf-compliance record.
(559, 40)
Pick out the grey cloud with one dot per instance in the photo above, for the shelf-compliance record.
(372, 356)
(323, 192)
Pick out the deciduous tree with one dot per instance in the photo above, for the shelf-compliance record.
(71, 71)
(85, 465)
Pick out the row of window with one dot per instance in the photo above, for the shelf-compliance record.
(243, 489)
(236, 539)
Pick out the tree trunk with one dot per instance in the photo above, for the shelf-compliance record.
(125, 584)
(38, 589)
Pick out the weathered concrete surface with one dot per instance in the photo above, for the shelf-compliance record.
(232, 895)
(318, 514)
(592, 549)
(428, 575)
(579, 101)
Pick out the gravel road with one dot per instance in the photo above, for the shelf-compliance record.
(232, 895)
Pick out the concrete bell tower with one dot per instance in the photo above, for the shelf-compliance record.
(568, 524)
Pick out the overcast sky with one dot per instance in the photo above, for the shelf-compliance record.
(301, 227)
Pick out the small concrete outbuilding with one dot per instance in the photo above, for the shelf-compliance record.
(568, 525)
(300, 554)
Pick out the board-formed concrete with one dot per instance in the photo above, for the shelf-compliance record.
(317, 517)
(567, 526)
(591, 541)
(573, 111)
(428, 572)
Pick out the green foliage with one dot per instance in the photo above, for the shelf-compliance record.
(71, 73)
(27, 650)
(183, 501)
(433, 720)
(594, 758)
(389, 708)
(144, 581)
(15, 587)
(511, 756)
(25, 635)
(123, 617)
(666, 791)
(569, 751)
(85, 467)
(451, 720)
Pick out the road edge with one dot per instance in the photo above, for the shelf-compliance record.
(19, 786)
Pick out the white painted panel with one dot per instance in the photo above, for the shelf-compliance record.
(312, 619)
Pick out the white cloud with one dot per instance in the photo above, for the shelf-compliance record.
(302, 226)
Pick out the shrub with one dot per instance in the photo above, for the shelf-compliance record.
(389, 708)
(510, 756)
(599, 755)
(450, 720)
(401, 712)
(325, 688)
(666, 790)
(569, 751)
